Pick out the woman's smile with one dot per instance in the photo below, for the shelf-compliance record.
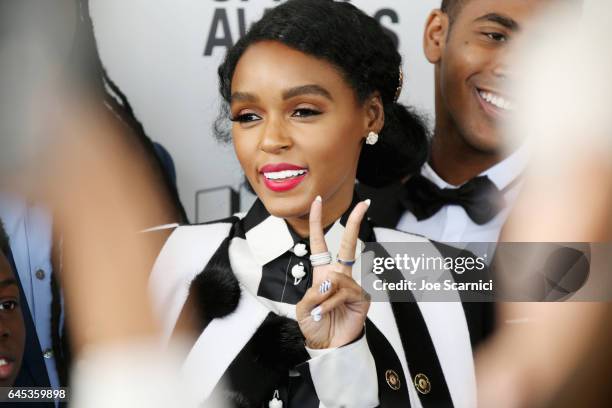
(281, 177)
(7, 367)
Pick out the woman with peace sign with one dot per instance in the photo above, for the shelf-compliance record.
(270, 301)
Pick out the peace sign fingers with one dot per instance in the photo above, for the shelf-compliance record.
(333, 310)
(317, 238)
(346, 253)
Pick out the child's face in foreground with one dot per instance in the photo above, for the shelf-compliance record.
(298, 129)
(473, 69)
(12, 330)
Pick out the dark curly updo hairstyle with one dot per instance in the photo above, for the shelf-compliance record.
(355, 43)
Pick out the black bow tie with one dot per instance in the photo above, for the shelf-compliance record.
(479, 197)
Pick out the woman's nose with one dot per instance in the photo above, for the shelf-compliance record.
(275, 138)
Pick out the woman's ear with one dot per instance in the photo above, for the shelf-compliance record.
(434, 38)
(375, 114)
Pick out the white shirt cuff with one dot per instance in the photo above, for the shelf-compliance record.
(345, 376)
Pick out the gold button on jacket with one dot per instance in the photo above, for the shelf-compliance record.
(422, 384)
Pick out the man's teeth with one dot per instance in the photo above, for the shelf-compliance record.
(3, 362)
(280, 175)
(496, 100)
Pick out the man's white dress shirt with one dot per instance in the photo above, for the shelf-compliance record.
(453, 225)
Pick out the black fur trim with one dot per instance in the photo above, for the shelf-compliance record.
(279, 344)
(276, 347)
(216, 290)
(263, 365)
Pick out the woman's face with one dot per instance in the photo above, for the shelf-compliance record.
(298, 129)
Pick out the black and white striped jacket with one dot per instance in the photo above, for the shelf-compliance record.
(238, 274)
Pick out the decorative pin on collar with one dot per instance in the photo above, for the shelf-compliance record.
(298, 273)
(275, 402)
(300, 250)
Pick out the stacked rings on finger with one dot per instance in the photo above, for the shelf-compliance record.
(345, 262)
(324, 258)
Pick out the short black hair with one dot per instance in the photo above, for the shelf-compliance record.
(4, 240)
(452, 7)
(355, 43)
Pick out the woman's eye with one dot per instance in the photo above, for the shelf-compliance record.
(497, 37)
(305, 113)
(245, 118)
(8, 305)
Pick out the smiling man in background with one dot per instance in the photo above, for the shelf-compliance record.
(465, 191)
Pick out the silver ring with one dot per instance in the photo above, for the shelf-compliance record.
(324, 258)
(345, 262)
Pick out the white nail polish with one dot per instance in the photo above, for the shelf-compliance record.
(368, 202)
(319, 199)
(316, 311)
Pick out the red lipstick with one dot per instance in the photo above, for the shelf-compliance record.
(280, 177)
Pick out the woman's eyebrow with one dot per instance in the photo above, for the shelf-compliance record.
(243, 97)
(307, 89)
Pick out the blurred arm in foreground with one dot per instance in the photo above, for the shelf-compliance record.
(558, 354)
(103, 195)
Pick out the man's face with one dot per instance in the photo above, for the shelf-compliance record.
(472, 66)
(12, 329)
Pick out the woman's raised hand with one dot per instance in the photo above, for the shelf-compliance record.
(333, 311)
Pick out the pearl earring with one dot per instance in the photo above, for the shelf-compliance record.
(372, 138)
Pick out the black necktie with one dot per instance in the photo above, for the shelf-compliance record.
(479, 197)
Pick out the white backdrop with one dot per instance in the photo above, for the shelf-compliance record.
(164, 54)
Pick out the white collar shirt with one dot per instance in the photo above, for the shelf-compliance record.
(452, 224)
